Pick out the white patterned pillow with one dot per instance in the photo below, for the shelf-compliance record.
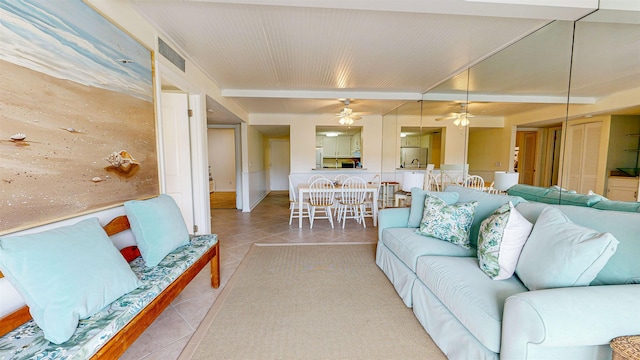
(500, 242)
(450, 223)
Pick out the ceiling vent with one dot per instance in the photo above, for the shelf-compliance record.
(171, 55)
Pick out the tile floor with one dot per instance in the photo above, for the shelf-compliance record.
(267, 223)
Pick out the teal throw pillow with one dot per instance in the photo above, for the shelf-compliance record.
(158, 227)
(502, 236)
(66, 274)
(417, 203)
(450, 223)
(560, 253)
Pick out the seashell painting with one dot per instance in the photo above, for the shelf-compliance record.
(122, 160)
(18, 137)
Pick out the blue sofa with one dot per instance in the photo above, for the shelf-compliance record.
(471, 316)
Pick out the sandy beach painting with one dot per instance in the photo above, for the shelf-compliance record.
(77, 122)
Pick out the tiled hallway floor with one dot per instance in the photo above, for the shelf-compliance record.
(267, 223)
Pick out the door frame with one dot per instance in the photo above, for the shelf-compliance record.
(238, 157)
(197, 130)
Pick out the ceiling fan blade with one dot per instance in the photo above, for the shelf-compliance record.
(447, 118)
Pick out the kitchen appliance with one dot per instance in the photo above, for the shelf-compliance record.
(318, 158)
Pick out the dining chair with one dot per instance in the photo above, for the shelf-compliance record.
(430, 182)
(443, 180)
(314, 177)
(472, 181)
(368, 200)
(351, 204)
(295, 211)
(339, 179)
(321, 192)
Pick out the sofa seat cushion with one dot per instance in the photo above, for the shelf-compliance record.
(409, 246)
(27, 341)
(473, 298)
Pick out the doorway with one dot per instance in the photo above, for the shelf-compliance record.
(279, 167)
(527, 144)
(222, 167)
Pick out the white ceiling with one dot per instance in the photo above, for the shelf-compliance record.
(305, 56)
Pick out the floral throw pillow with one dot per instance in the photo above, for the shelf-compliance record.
(450, 223)
(500, 241)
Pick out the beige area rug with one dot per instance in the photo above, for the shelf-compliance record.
(310, 302)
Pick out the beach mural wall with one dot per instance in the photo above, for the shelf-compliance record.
(77, 122)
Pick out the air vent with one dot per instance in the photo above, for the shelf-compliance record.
(170, 54)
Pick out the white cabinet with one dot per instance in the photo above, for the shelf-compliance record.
(339, 146)
(344, 146)
(623, 188)
(319, 141)
(329, 146)
(355, 143)
(410, 141)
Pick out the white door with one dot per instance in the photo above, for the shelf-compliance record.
(279, 171)
(176, 149)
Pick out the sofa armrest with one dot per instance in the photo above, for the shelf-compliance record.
(568, 317)
(392, 218)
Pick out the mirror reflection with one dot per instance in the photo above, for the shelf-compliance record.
(419, 147)
(338, 147)
(602, 141)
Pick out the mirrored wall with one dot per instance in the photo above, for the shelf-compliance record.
(561, 107)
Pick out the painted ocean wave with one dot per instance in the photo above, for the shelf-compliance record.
(69, 40)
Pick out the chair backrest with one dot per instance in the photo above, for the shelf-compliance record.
(339, 179)
(354, 190)
(430, 182)
(375, 182)
(321, 192)
(474, 181)
(292, 190)
(314, 177)
(443, 180)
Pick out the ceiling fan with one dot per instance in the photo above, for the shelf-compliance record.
(460, 118)
(347, 116)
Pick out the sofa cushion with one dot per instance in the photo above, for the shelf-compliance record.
(472, 297)
(623, 267)
(613, 205)
(502, 236)
(560, 253)
(158, 227)
(447, 222)
(417, 203)
(66, 274)
(567, 198)
(528, 192)
(409, 246)
(487, 204)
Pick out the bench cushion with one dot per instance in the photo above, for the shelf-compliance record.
(27, 341)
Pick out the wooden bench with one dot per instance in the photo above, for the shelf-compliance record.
(119, 343)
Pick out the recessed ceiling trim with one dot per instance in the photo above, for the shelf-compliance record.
(534, 99)
(296, 94)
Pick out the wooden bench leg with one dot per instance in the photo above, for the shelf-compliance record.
(215, 268)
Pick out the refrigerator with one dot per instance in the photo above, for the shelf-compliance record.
(318, 158)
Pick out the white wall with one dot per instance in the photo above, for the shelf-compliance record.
(222, 152)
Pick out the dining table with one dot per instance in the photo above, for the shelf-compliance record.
(303, 188)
